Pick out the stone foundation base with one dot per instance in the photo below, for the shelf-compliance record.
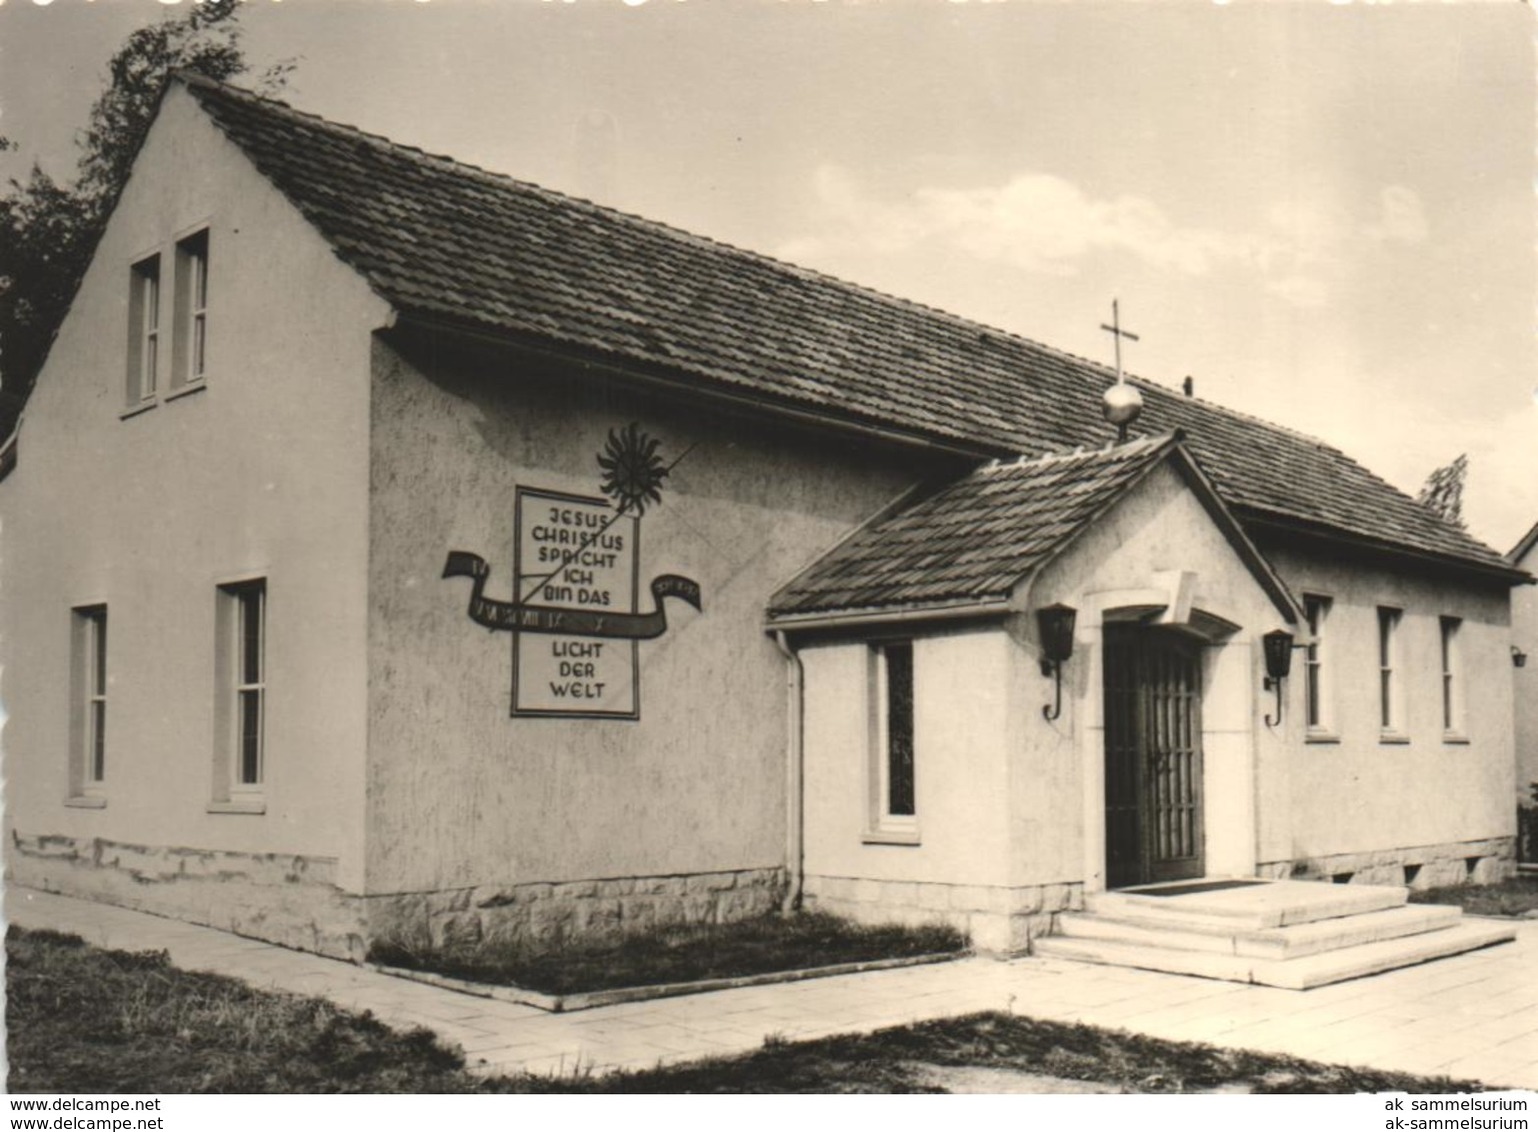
(997, 919)
(547, 915)
(1487, 861)
(285, 899)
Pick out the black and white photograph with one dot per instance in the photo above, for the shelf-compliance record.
(768, 546)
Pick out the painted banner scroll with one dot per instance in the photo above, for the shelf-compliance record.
(574, 619)
(578, 622)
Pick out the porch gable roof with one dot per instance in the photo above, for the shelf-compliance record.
(973, 541)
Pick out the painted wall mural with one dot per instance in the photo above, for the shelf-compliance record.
(575, 619)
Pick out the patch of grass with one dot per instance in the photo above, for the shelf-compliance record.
(1513, 897)
(84, 1020)
(896, 1060)
(679, 954)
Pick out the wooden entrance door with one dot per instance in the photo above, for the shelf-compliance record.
(1153, 756)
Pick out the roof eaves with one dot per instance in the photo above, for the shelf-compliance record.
(881, 616)
(1496, 568)
(675, 378)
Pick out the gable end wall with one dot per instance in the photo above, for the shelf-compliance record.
(263, 472)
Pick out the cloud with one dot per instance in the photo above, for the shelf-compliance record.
(1035, 221)
(1044, 224)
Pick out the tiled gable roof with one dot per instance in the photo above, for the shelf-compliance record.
(444, 241)
(972, 542)
(975, 539)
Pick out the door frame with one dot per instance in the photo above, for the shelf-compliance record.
(1231, 710)
(1160, 715)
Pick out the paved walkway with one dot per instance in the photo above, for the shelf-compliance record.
(1470, 1016)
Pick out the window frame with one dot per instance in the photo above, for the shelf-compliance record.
(1454, 682)
(189, 347)
(145, 304)
(890, 824)
(1318, 690)
(240, 774)
(1391, 722)
(90, 685)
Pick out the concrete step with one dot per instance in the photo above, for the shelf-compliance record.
(1273, 904)
(1298, 973)
(1223, 936)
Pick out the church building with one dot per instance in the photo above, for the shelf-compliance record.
(396, 550)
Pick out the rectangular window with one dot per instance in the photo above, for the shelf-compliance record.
(899, 729)
(1452, 677)
(894, 806)
(1389, 708)
(143, 330)
(240, 715)
(250, 684)
(191, 309)
(88, 725)
(1317, 610)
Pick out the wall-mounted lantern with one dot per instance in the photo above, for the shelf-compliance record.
(1518, 657)
(1278, 648)
(1055, 623)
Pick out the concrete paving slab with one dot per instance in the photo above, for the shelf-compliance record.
(1475, 1015)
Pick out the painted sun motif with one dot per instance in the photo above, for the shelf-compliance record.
(632, 470)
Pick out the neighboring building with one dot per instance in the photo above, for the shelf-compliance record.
(1524, 636)
(320, 398)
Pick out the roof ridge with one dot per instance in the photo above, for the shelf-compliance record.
(1144, 445)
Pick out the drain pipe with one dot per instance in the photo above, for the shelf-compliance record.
(793, 776)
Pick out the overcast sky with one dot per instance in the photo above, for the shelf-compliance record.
(1322, 213)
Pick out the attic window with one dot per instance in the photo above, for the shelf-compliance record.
(143, 331)
(191, 309)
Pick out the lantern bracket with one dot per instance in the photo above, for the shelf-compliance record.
(1055, 627)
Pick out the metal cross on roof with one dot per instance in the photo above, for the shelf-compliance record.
(1117, 334)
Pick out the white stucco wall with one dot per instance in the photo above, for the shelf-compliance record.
(962, 683)
(460, 793)
(261, 473)
(1357, 792)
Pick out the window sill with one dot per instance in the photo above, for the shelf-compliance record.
(890, 837)
(239, 806)
(86, 802)
(1321, 736)
(1398, 738)
(1455, 738)
(135, 410)
(187, 390)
